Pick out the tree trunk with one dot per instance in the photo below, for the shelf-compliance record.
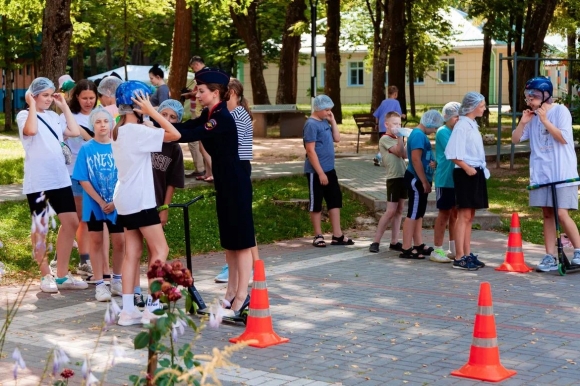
(79, 63)
(108, 54)
(181, 49)
(137, 53)
(56, 37)
(411, 61)
(331, 46)
(572, 65)
(535, 32)
(287, 91)
(486, 69)
(510, 66)
(8, 76)
(248, 29)
(380, 50)
(93, 59)
(398, 52)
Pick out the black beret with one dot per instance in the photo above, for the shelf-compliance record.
(212, 75)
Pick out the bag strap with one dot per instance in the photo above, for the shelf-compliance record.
(49, 128)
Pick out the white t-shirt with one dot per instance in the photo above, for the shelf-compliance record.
(75, 143)
(132, 150)
(466, 143)
(44, 167)
(551, 161)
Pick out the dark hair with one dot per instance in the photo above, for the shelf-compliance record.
(197, 59)
(82, 85)
(236, 86)
(156, 71)
(392, 89)
(221, 88)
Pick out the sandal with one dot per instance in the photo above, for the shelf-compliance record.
(423, 250)
(396, 247)
(341, 241)
(409, 254)
(319, 241)
(200, 178)
(208, 179)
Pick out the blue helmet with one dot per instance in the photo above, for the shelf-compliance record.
(129, 89)
(541, 83)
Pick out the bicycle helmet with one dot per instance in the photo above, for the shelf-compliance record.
(541, 83)
(129, 89)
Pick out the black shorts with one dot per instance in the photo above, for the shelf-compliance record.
(61, 200)
(445, 198)
(95, 225)
(417, 204)
(247, 166)
(396, 189)
(330, 192)
(145, 218)
(470, 191)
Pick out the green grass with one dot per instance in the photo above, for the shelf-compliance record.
(272, 222)
(11, 162)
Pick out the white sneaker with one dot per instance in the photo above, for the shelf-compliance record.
(117, 289)
(52, 266)
(450, 255)
(547, 264)
(48, 285)
(149, 316)
(69, 282)
(85, 269)
(439, 256)
(129, 319)
(576, 258)
(102, 293)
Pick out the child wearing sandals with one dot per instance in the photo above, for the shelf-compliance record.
(134, 196)
(320, 133)
(96, 171)
(418, 179)
(393, 155)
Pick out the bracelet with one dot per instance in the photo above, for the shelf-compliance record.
(162, 208)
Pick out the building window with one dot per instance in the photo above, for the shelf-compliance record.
(28, 67)
(356, 74)
(447, 70)
(420, 79)
(322, 76)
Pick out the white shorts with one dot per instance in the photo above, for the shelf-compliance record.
(567, 197)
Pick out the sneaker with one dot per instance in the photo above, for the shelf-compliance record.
(476, 261)
(52, 266)
(117, 289)
(465, 263)
(69, 282)
(223, 276)
(138, 300)
(450, 255)
(85, 269)
(439, 256)
(547, 264)
(148, 316)
(102, 293)
(576, 258)
(396, 247)
(376, 161)
(374, 248)
(48, 285)
(129, 319)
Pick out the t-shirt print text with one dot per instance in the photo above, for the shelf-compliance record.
(160, 161)
(545, 139)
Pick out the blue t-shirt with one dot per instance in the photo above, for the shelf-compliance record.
(95, 164)
(418, 140)
(321, 133)
(386, 107)
(444, 174)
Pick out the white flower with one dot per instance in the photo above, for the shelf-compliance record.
(41, 198)
(92, 380)
(85, 369)
(60, 359)
(118, 351)
(178, 328)
(50, 211)
(215, 316)
(18, 362)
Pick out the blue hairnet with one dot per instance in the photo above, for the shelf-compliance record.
(451, 110)
(173, 105)
(39, 85)
(470, 102)
(108, 86)
(322, 102)
(99, 112)
(432, 119)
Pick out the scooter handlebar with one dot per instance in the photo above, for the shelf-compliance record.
(538, 186)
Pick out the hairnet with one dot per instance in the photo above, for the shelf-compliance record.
(450, 110)
(173, 105)
(39, 85)
(322, 102)
(108, 86)
(470, 102)
(99, 112)
(432, 119)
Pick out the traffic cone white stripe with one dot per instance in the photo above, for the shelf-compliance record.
(259, 285)
(485, 310)
(259, 313)
(484, 342)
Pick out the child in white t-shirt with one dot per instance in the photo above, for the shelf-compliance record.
(134, 196)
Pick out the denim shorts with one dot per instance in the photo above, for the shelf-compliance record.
(76, 187)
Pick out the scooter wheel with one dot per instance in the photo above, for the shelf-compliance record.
(561, 269)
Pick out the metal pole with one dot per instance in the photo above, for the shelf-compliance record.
(497, 160)
(514, 106)
(313, 5)
(536, 64)
(187, 239)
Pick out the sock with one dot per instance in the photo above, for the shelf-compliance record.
(60, 280)
(84, 258)
(438, 247)
(137, 290)
(128, 305)
(152, 305)
(452, 247)
(116, 278)
(99, 282)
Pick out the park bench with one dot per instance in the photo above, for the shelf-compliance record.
(366, 124)
(291, 120)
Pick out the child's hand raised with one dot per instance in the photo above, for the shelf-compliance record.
(145, 106)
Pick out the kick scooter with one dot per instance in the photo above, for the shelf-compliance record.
(564, 264)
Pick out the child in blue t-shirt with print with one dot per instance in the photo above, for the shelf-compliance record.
(95, 169)
(418, 179)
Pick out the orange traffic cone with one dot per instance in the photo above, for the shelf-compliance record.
(259, 326)
(514, 257)
(483, 363)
